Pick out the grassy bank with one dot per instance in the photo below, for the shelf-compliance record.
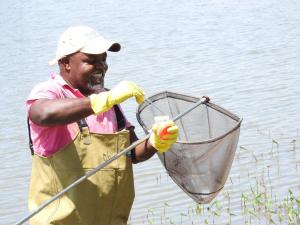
(263, 188)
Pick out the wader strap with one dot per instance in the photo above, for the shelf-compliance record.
(119, 115)
(121, 125)
(84, 130)
(120, 118)
(82, 123)
(29, 137)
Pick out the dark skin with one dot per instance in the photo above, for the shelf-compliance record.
(76, 69)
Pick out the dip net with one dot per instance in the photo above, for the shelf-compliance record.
(200, 161)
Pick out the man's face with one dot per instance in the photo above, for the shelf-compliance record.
(87, 72)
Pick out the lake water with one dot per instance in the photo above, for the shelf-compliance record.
(243, 54)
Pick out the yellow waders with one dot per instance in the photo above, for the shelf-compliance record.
(104, 199)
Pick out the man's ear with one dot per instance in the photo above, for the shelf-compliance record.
(65, 61)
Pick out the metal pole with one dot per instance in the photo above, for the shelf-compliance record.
(102, 165)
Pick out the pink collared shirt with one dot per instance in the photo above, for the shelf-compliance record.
(49, 140)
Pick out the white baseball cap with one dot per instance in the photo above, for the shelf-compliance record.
(83, 39)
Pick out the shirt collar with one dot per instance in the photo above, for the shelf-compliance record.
(60, 80)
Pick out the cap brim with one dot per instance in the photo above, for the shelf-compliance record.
(115, 47)
(99, 46)
(96, 46)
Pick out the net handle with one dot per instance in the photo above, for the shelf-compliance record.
(204, 99)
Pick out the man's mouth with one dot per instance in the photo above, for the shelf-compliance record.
(96, 80)
(97, 77)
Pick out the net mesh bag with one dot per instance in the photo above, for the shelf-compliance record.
(200, 161)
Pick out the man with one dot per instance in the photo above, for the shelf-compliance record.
(76, 124)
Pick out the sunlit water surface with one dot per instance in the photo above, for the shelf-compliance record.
(243, 54)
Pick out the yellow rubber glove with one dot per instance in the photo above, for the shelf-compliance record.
(163, 135)
(105, 100)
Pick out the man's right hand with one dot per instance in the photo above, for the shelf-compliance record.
(125, 89)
